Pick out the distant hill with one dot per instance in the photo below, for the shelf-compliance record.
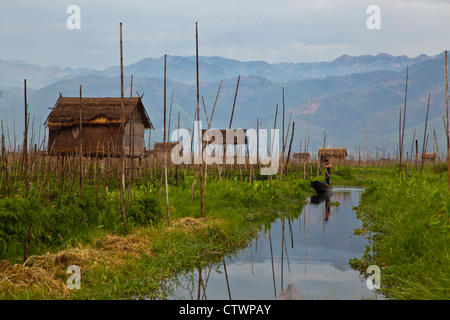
(343, 105)
(182, 69)
(12, 73)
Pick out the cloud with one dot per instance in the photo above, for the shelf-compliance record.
(287, 30)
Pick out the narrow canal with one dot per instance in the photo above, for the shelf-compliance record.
(318, 244)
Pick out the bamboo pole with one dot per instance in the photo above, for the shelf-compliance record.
(27, 243)
(234, 102)
(25, 136)
(364, 156)
(122, 126)
(425, 133)
(215, 102)
(165, 153)
(403, 131)
(290, 145)
(446, 108)
(170, 116)
(200, 136)
(80, 171)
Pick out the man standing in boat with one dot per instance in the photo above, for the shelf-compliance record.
(328, 167)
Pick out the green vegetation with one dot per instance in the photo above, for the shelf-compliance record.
(408, 222)
(141, 258)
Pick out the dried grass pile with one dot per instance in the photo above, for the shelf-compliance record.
(48, 273)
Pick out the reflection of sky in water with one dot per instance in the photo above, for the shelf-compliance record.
(316, 261)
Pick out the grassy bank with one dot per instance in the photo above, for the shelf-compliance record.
(143, 258)
(408, 222)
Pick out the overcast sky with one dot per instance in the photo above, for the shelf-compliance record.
(247, 30)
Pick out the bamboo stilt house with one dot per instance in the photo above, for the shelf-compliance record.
(93, 126)
(332, 154)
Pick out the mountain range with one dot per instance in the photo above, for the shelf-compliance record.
(338, 99)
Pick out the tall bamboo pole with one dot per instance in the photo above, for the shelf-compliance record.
(215, 102)
(234, 102)
(446, 108)
(200, 136)
(165, 153)
(403, 131)
(80, 170)
(170, 113)
(122, 126)
(425, 132)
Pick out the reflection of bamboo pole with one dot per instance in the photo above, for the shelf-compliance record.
(251, 254)
(282, 251)
(226, 277)
(206, 283)
(273, 270)
(307, 236)
(199, 283)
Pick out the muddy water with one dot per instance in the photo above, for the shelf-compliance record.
(318, 243)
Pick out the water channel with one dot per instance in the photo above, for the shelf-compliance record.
(318, 244)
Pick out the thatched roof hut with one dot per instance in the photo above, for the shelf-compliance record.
(332, 154)
(95, 125)
(301, 156)
(158, 151)
(429, 157)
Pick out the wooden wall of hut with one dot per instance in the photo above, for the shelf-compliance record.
(103, 140)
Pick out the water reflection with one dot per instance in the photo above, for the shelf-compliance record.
(309, 248)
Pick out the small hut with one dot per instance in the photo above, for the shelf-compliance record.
(332, 154)
(158, 151)
(301, 157)
(93, 126)
(428, 157)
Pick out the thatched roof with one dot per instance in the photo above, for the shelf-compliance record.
(101, 111)
(301, 155)
(159, 146)
(332, 152)
(429, 156)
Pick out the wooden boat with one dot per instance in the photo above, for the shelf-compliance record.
(321, 187)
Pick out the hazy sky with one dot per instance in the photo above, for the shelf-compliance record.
(274, 31)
